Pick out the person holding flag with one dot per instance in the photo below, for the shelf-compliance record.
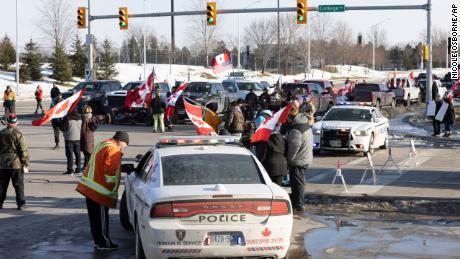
(158, 106)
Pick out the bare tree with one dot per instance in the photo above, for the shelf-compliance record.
(343, 35)
(260, 34)
(288, 36)
(59, 25)
(321, 25)
(200, 33)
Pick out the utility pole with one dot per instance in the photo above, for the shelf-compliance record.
(17, 50)
(173, 40)
(279, 46)
(429, 77)
(309, 49)
(145, 47)
(89, 41)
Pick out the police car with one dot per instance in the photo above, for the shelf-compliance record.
(351, 128)
(200, 197)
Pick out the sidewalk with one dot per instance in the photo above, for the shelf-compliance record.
(436, 177)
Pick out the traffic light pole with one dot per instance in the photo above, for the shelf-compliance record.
(89, 38)
(429, 77)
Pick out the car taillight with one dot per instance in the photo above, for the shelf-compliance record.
(162, 211)
(192, 208)
(279, 208)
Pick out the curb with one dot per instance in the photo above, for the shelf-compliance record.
(366, 198)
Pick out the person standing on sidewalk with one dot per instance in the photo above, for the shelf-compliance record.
(39, 98)
(89, 125)
(71, 125)
(449, 117)
(14, 161)
(436, 123)
(299, 154)
(158, 110)
(99, 184)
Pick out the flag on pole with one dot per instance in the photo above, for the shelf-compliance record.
(60, 109)
(142, 95)
(173, 99)
(221, 62)
(265, 130)
(195, 113)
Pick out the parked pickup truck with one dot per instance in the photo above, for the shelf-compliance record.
(322, 101)
(375, 94)
(405, 91)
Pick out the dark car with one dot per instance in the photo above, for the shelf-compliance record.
(95, 93)
(203, 93)
(322, 102)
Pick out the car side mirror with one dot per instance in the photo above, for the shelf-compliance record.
(138, 158)
(127, 168)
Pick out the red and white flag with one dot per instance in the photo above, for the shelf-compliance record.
(195, 113)
(142, 95)
(411, 75)
(455, 87)
(60, 109)
(345, 89)
(221, 62)
(173, 99)
(265, 130)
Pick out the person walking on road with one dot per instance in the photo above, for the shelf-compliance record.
(14, 161)
(158, 105)
(39, 98)
(436, 123)
(449, 117)
(99, 184)
(299, 154)
(89, 124)
(251, 100)
(271, 154)
(71, 125)
(55, 122)
(9, 100)
(55, 92)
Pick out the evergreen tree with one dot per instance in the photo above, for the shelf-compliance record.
(60, 64)
(31, 61)
(78, 57)
(106, 67)
(7, 53)
(24, 73)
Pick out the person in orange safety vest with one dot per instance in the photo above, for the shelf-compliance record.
(99, 184)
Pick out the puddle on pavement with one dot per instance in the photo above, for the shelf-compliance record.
(353, 238)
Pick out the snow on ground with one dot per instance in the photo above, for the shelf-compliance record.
(165, 72)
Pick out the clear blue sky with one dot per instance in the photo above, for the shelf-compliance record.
(404, 25)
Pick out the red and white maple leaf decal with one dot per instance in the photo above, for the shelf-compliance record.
(266, 232)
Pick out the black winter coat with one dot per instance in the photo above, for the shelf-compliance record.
(271, 155)
(251, 99)
(158, 105)
(449, 117)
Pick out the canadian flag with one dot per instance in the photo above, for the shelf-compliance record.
(195, 112)
(142, 94)
(60, 109)
(173, 99)
(265, 130)
(345, 89)
(221, 62)
(455, 87)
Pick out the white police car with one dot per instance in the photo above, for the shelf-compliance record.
(351, 128)
(205, 197)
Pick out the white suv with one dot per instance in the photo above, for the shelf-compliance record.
(205, 197)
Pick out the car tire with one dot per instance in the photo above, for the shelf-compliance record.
(124, 215)
(385, 144)
(140, 254)
(316, 152)
(370, 150)
(407, 102)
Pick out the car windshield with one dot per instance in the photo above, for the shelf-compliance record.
(198, 87)
(197, 170)
(247, 86)
(131, 86)
(89, 86)
(348, 114)
(264, 84)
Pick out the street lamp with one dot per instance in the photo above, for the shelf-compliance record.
(17, 50)
(373, 28)
(239, 38)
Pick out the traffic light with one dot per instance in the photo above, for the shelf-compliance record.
(449, 45)
(360, 39)
(301, 11)
(123, 18)
(81, 17)
(211, 14)
(425, 52)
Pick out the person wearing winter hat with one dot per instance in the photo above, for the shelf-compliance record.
(15, 161)
(99, 184)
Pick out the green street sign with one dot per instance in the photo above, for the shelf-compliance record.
(331, 8)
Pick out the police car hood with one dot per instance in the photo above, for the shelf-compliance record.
(355, 125)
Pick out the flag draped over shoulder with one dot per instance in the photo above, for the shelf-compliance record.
(221, 62)
(173, 99)
(142, 95)
(195, 113)
(265, 130)
(60, 109)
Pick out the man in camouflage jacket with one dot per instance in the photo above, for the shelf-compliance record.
(14, 161)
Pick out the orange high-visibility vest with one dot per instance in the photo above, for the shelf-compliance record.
(101, 178)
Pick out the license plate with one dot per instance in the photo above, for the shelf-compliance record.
(335, 143)
(225, 239)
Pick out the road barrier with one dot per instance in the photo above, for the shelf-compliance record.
(412, 156)
(389, 159)
(339, 175)
(369, 167)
